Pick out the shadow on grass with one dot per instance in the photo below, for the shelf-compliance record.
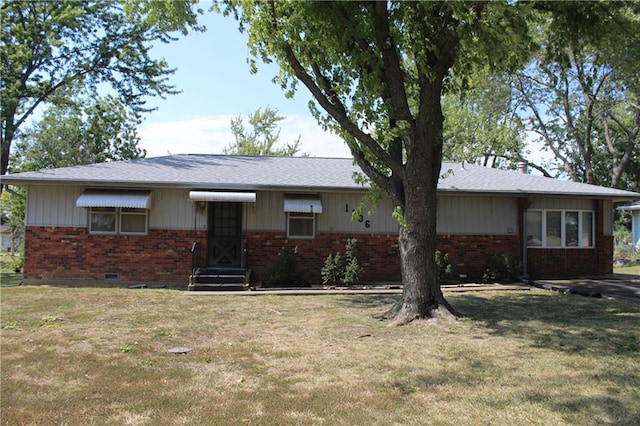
(381, 301)
(605, 334)
(568, 323)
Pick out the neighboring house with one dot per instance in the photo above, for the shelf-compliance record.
(5, 237)
(635, 223)
(156, 219)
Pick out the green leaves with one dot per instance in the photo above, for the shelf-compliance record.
(79, 131)
(50, 46)
(261, 137)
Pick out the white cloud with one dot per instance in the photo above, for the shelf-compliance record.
(209, 135)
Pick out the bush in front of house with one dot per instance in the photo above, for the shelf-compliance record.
(445, 271)
(334, 272)
(285, 270)
(501, 269)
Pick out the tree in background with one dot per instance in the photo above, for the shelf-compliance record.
(481, 126)
(76, 132)
(261, 137)
(49, 46)
(12, 210)
(581, 93)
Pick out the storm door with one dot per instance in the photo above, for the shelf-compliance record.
(225, 235)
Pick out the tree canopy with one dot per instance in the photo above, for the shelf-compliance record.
(261, 137)
(78, 131)
(581, 93)
(49, 46)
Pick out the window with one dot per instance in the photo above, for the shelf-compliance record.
(301, 225)
(559, 228)
(118, 220)
(301, 210)
(534, 228)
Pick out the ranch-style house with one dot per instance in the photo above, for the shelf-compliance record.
(170, 219)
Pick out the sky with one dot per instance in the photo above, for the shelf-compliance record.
(216, 84)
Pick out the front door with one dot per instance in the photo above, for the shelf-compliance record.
(225, 235)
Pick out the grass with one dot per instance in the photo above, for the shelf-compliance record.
(100, 356)
(631, 270)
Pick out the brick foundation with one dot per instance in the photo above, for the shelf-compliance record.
(568, 263)
(468, 254)
(68, 253)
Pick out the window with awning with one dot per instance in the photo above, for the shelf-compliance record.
(116, 212)
(221, 196)
(301, 215)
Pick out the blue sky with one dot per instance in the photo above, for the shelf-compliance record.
(216, 84)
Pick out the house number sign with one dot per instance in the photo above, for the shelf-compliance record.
(367, 223)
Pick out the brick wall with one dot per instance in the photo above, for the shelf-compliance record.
(468, 254)
(69, 253)
(378, 254)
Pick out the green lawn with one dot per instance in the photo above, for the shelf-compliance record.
(631, 270)
(83, 356)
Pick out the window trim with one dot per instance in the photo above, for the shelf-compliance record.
(118, 212)
(301, 215)
(563, 229)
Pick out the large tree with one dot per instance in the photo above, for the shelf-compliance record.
(47, 46)
(378, 71)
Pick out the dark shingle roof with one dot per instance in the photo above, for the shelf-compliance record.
(293, 173)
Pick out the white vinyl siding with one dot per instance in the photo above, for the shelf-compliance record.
(472, 215)
(55, 206)
(337, 208)
(172, 209)
(562, 203)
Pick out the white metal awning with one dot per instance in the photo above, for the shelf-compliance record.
(305, 205)
(127, 199)
(238, 197)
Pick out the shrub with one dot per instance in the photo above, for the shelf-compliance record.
(284, 271)
(501, 269)
(352, 269)
(333, 271)
(330, 272)
(444, 267)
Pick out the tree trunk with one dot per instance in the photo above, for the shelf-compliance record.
(422, 296)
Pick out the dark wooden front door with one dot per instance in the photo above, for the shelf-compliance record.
(225, 235)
